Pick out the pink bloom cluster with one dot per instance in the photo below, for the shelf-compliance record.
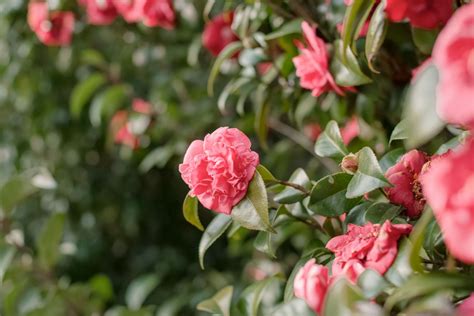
(426, 14)
(150, 12)
(219, 168)
(218, 33)
(51, 28)
(311, 284)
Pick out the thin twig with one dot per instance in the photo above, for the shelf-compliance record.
(290, 184)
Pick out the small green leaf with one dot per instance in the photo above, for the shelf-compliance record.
(379, 212)
(219, 304)
(263, 243)
(49, 240)
(391, 158)
(291, 195)
(292, 27)
(369, 175)
(102, 287)
(328, 196)
(7, 253)
(226, 53)
(372, 283)
(15, 190)
(266, 175)
(249, 301)
(252, 211)
(424, 39)
(400, 131)
(341, 298)
(106, 103)
(83, 92)
(422, 121)
(213, 231)
(356, 15)
(139, 289)
(330, 142)
(375, 34)
(190, 211)
(347, 72)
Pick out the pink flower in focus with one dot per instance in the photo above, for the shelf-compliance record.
(218, 33)
(404, 176)
(311, 284)
(350, 131)
(448, 183)
(99, 12)
(370, 246)
(453, 54)
(131, 10)
(218, 170)
(312, 65)
(53, 29)
(466, 308)
(141, 106)
(159, 13)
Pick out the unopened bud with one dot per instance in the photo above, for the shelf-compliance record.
(350, 163)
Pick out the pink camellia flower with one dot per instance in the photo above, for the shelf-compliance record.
(312, 65)
(141, 106)
(448, 183)
(453, 54)
(53, 29)
(159, 13)
(99, 12)
(466, 308)
(404, 176)
(218, 33)
(311, 284)
(350, 131)
(218, 170)
(371, 246)
(426, 14)
(130, 10)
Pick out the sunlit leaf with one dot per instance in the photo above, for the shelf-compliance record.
(190, 211)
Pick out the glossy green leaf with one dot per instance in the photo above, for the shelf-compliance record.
(213, 231)
(375, 34)
(419, 112)
(390, 158)
(219, 304)
(369, 175)
(291, 195)
(263, 243)
(328, 196)
(347, 72)
(252, 211)
(341, 298)
(190, 211)
(15, 190)
(330, 142)
(266, 175)
(139, 289)
(380, 212)
(226, 53)
(424, 39)
(372, 283)
(249, 301)
(291, 27)
(356, 15)
(356, 215)
(7, 252)
(106, 103)
(84, 91)
(49, 240)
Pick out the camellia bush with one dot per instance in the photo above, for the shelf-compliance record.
(326, 147)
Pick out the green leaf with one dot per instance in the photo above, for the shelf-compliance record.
(230, 88)
(328, 196)
(213, 231)
(424, 284)
(261, 114)
(7, 252)
(400, 131)
(291, 195)
(249, 57)
(139, 289)
(102, 287)
(379, 212)
(372, 283)
(292, 27)
(341, 298)
(219, 304)
(424, 39)
(106, 103)
(49, 239)
(356, 215)
(400, 270)
(356, 15)
(15, 190)
(417, 238)
(266, 175)
(93, 57)
(369, 175)
(330, 142)
(375, 34)
(249, 301)
(294, 307)
(252, 211)
(158, 157)
(390, 159)
(226, 53)
(345, 67)
(83, 92)
(419, 111)
(190, 211)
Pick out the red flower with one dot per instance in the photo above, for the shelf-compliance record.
(406, 190)
(99, 12)
(448, 183)
(312, 65)
(426, 14)
(218, 33)
(362, 247)
(159, 13)
(55, 28)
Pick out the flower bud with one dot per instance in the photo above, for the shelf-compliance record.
(350, 163)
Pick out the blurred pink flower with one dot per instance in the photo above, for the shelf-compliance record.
(311, 284)
(141, 106)
(453, 54)
(219, 169)
(121, 132)
(130, 10)
(99, 12)
(312, 131)
(159, 13)
(312, 65)
(218, 33)
(350, 131)
(426, 14)
(466, 308)
(406, 189)
(370, 246)
(53, 29)
(448, 182)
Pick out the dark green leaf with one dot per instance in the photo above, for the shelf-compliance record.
(190, 211)
(226, 53)
(261, 126)
(213, 231)
(291, 195)
(330, 142)
(15, 190)
(356, 215)
(7, 253)
(390, 158)
(379, 212)
(424, 39)
(83, 92)
(49, 240)
(375, 34)
(219, 304)
(354, 19)
(347, 72)
(139, 289)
